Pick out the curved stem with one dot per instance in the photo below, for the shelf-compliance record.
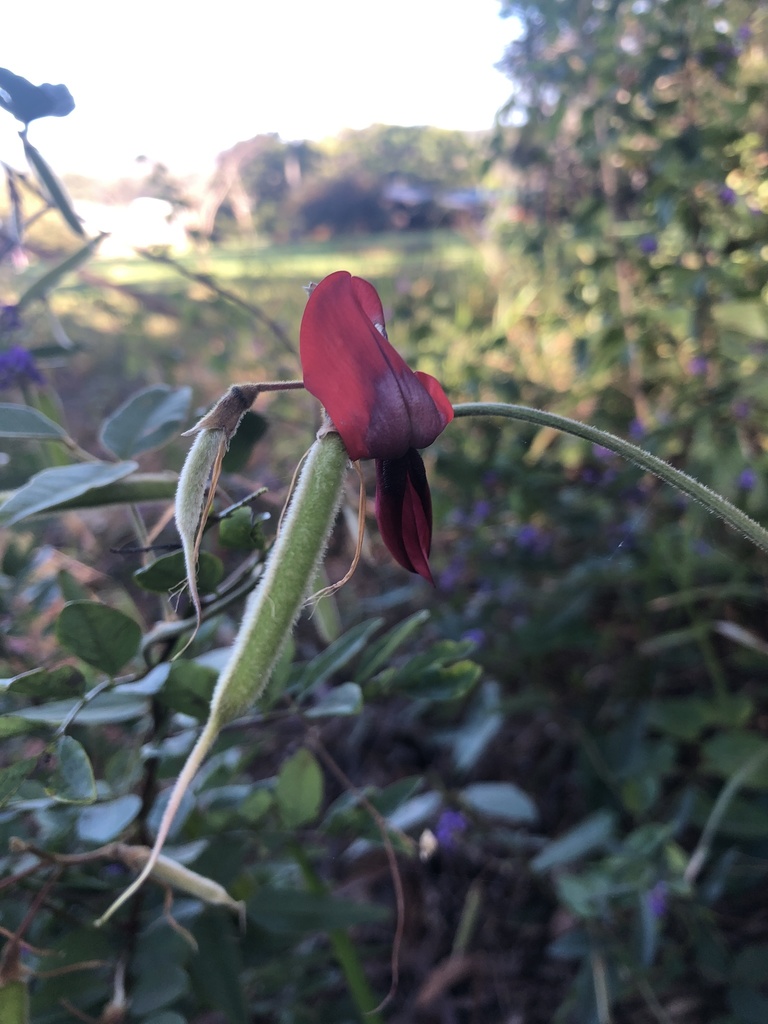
(712, 501)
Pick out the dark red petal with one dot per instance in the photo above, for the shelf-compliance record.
(340, 359)
(442, 403)
(377, 404)
(404, 511)
(370, 303)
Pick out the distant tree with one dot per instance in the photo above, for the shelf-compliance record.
(434, 156)
(161, 184)
(342, 205)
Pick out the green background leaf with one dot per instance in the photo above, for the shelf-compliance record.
(146, 420)
(102, 636)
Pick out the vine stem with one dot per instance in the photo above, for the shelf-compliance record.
(712, 501)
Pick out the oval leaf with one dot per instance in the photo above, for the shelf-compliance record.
(500, 800)
(346, 699)
(166, 573)
(106, 709)
(13, 776)
(290, 912)
(52, 186)
(23, 421)
(103, 822)
(43, 285)
(71, 781)
(593, 833)
(146, 420)
(299, 790)
(102, 636)
(51, 487)
(65, 681)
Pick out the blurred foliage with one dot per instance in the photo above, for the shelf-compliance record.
(565, 745)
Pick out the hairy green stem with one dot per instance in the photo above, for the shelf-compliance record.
(269, 617)
(713, 502)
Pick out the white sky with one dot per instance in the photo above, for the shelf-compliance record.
(179, 81)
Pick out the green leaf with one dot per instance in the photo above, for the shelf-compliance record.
(52, 487)
(424, 666)
(346, 699)
(146, 420)
(52, 186)
(103, 822)
(740, 635)
(166, 573)
(102, 636)
(448, 682)
(24, 421)
(155, 988)
(241, 530)
(289, 912)
(40, 288)
(12, 725)
(71, 781)
(380, 651)
(13, 776)
(595, 832)
(65, 681)
(744, 316)
(188, 689)
(500, 800)
(749, 1005)
(299, 790)
(219, 984)
(106, 709)
(337, 656)
(416, 811)
(255, 806)
(727, 753)
(253, 427)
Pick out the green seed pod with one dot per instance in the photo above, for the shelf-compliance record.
(269, 617)
(201, 465)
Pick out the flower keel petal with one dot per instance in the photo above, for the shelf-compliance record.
(404, 511)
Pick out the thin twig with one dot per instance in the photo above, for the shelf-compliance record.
(384, 829)
(223, 293)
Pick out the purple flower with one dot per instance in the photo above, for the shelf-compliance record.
(449, 826)
(480, 512)
(9, 319)
(657, 899)
(636, 429)
(601, 453)
(477, 636)
(452, 574)
(532, 538)
(590, 475)
(740, 410)
(698, 366)
(744, 33)
(647, 244)
(727, 196)
(18, 366)
(747, 479)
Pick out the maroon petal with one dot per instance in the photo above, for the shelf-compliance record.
(404, 511)
(378, 405)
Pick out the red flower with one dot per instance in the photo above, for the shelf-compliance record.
(380, 407)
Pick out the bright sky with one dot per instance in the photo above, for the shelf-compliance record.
(180, 80)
